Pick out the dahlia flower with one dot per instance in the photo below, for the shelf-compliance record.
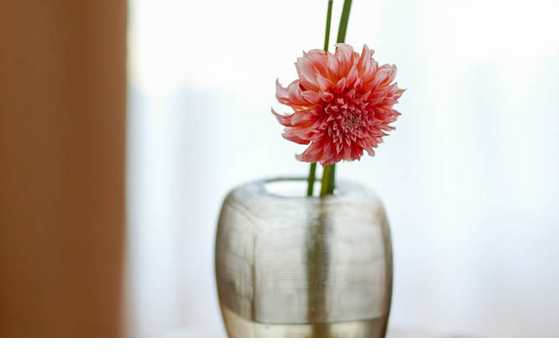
(342, 104)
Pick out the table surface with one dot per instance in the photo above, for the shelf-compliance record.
(197, 332)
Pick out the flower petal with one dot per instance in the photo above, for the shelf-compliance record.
(352, 76)
(318, 59)
(285, 120)
(312, 97)
(294, 138)
(300, 117)
(333, 66)
(281, 93)
(307, 73)
(340, 86)
(294, 92)
(325, 84)
(344, 53)
(326, 96)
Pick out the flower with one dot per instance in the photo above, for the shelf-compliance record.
(342, 104)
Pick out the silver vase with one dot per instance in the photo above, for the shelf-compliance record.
(294, 266)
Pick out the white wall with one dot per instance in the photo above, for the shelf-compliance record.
(470, 177)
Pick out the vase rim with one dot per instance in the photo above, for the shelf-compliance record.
(264, 188)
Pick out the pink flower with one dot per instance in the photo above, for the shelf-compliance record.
(342, 104)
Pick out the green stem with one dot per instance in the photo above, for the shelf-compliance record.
(325, 180)
(332, 179)
(343, 21)
(311, 179)
(312, 172)
(329, 174)
(328, 23)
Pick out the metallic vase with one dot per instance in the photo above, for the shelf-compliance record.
(294, 266)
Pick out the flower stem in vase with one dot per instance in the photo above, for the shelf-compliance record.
(311, 179)
(312, 172)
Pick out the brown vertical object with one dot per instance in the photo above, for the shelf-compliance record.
(62, 153)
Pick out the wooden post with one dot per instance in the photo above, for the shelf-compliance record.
(62, 156)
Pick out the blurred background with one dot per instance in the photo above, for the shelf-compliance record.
(469, 177)
(123, 125)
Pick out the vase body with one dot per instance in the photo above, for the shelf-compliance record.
(294, 266)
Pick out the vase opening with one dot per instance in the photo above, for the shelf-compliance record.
(292, 187)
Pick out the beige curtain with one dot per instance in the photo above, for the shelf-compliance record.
(62, 153)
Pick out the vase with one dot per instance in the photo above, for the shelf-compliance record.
(288, 265)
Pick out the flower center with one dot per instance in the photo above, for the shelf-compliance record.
(351, 122)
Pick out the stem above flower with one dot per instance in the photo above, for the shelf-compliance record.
(343, 21)
(328, 23)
